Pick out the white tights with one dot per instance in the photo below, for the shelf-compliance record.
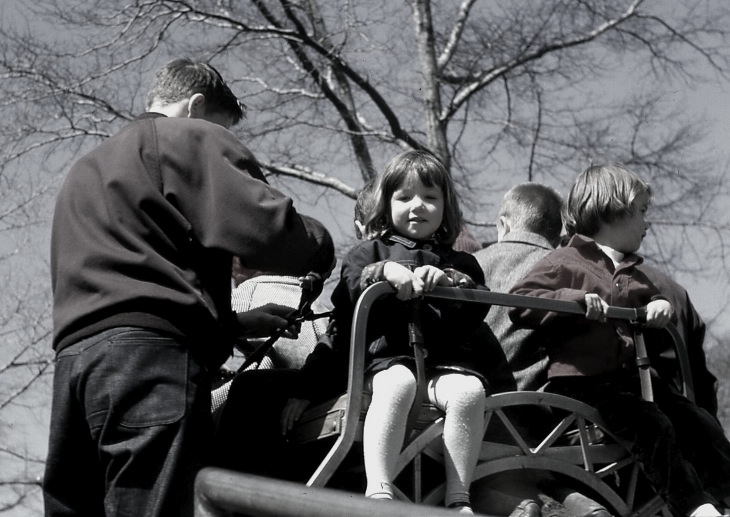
(460, 396)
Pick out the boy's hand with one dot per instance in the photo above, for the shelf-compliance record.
(596, 307)
(263, 321)
(291, 413)
(405, 282)
(431, 276)
(659, 313)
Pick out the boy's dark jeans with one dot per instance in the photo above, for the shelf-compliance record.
(681, 448)
(130, 425)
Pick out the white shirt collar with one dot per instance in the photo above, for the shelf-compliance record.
(615, 256)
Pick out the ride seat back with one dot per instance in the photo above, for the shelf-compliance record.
(282, 290)
(286, 352)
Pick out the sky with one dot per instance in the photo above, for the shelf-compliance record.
(711, 296)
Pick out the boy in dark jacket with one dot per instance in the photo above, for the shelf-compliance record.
(144, 232)
(681, 448)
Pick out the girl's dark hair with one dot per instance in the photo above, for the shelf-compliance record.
(432, 173)
(601, 194)
(363, 206)
(183, 77)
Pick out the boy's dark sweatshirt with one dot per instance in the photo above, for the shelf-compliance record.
(578, 346)
(167, 203)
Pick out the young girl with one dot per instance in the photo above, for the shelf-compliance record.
(681, 448)
(413, 221)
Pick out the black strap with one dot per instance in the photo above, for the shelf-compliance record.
(258, 354)
(642, 356)
(311, 286)
(415, 338)
(643, 363)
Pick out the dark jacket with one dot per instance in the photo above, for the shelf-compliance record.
(146, 225)
(504, 263)
(576, 345)
(692, 328)
(448, 326)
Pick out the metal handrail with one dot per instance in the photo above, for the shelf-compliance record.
(369, 296)
(219, 490)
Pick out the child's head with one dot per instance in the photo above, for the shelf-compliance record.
(363, 207)
(531, 207)
(182, 78)
(404, 200)
(605, 195)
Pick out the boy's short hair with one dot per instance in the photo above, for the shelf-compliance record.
(534, 208)
(601, 194)
(183, 77)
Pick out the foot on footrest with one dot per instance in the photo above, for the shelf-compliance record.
(527, 508)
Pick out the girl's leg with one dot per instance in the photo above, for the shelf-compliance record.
(393, 390)
(463, 399)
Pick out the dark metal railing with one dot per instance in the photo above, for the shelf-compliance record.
(219, 490)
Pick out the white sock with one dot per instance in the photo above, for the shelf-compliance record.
(385, 427)
(384, 491)
(462, 398)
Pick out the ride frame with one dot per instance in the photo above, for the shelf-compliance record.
(578, 446)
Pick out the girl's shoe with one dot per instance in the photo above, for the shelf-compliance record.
(461, 508)
(527, 508)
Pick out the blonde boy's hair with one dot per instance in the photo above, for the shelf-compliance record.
(601, 194)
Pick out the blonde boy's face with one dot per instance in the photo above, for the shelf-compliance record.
(628, 232)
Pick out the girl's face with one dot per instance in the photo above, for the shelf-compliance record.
(629, 231)
(416, 210)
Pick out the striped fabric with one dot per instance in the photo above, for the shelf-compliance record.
(286, 353)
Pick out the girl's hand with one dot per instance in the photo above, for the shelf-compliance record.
(659, 313)
(431, 276)
(291, 413)
(595, 307)
(405, 282)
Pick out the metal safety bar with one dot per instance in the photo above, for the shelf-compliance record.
(354, 395)
(218, 491)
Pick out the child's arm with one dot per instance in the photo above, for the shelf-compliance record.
(659, 313)
(431, 276)
(291, 413)
(596, 307)
(407, 283)
(412, 284)
(546, 280)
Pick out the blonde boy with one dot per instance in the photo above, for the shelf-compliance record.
(681, 447)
